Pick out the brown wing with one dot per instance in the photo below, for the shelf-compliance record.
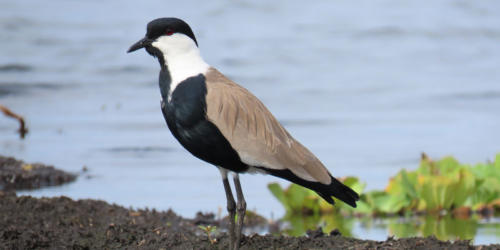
(254, 132)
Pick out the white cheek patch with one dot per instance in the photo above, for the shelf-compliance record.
(182, 57)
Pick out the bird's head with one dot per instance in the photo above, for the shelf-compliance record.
(167, 38)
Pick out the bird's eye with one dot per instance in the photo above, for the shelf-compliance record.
(169, 31)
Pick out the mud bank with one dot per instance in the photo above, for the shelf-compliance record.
(62, 223)
(18, 175)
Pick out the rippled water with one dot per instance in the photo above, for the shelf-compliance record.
(366, 85)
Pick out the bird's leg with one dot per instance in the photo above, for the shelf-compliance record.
(231, 207)
(241, 208)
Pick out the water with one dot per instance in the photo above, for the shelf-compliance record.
(367, 86)
(444, 228)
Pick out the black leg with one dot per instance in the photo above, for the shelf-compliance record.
(231, 207)
(241, 208)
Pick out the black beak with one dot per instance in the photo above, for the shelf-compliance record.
(140, 44)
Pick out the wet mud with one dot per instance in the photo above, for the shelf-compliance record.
(18, 175)
(62, 223)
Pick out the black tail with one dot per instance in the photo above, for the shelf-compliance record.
(338, 190)
(335, 189)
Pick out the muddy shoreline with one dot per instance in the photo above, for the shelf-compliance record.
(63, 223)
(18, 175)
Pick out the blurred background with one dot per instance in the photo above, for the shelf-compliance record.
(365, 85)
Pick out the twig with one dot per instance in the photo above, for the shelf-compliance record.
(22, 126)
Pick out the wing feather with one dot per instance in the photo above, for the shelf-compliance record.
(254, 132)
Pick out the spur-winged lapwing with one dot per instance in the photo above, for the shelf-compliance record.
(222, 123)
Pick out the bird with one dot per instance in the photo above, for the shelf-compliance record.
(222, 123)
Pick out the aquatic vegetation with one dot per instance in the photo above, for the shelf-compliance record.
(436, 187)
(452, 198)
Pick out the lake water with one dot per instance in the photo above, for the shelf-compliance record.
(365, 85)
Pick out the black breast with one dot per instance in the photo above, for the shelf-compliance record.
(186, 118)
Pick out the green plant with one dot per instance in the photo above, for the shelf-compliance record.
(434, 187)
(443, 185)
(209, 231)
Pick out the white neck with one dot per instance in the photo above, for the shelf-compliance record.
(182, 57)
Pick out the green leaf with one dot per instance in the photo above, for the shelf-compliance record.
(354, 184)
(392, 203)
(296, 197)
(363, 208)
(409, 185)
(447, 165)
(464, 188)
(446, 191)
(279, 194)
(427, 194)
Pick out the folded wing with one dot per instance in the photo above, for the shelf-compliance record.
(255, 134)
